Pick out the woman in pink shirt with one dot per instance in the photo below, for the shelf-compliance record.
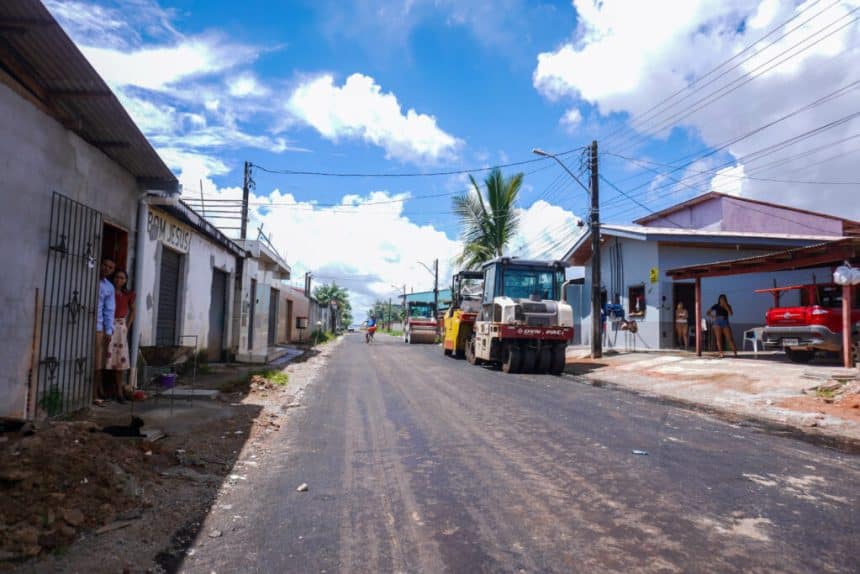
(117, 359)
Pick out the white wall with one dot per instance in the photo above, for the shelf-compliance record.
(655, 328)
(39, 156)
(266, 281)
(200, 257)
(638, 257)
(749, 307)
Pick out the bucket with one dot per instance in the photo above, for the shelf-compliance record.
(167, 380)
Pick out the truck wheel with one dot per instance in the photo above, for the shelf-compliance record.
(558, 360)
(511, 359)
(799, 356)
(470, 352)
(544, 364)
(529, 360)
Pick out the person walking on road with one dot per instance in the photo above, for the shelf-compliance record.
(720, 314)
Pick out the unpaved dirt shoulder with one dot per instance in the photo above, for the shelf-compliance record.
(144, 510)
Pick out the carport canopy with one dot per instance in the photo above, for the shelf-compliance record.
(831, 253)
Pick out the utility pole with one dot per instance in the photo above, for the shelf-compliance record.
(596, 322)
(594, 223)
(436, 294)
(246, 188)
(389, 313)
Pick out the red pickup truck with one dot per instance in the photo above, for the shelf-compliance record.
(815, 324)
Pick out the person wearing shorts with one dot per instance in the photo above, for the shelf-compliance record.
(720, 314)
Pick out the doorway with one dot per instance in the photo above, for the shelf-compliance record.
(217, 316)
(683, 293)
(115, 245)
(273, 316)
(288, 336)
(252, 310)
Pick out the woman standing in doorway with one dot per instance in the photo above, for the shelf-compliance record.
(117, 355)
(720, 314)
(682, 328)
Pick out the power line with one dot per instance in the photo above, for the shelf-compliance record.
(639, 162)
(764, 151)
(714, 70)
(414, 174)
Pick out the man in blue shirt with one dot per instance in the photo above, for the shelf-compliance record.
(105, 309)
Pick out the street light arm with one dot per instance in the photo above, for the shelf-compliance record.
(428, 269)
(539, 151)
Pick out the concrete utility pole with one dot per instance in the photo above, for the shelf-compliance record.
(594, 222)
(596, 322)
(246, 188)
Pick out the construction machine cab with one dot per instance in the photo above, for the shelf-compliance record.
(517, 284)
(466, 291)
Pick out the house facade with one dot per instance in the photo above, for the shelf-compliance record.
(75, 171)
(712, 227)
(185, 282)
(255, 330)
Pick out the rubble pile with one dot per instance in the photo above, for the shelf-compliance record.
(60, 479)
(261, 384)
(841, 392)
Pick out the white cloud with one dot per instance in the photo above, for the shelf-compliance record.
(359, 109)
(246, 85)
(627, 56)
(161, 67)
(729, 180)
(546, 231)
(571, 119)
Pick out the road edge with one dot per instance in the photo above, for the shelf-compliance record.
(844, 444)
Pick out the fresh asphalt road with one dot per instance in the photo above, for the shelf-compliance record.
(418, 462)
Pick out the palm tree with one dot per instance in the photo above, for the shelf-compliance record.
(327, 293)
(488, 224)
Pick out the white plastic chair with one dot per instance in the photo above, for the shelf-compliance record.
(753, 336)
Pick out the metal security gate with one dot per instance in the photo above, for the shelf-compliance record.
(67, 328)
(168, 298)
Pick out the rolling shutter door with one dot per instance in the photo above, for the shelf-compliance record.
(168, 298)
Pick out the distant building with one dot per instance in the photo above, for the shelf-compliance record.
(711, 227)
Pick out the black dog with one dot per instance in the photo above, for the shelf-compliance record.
(132, 429)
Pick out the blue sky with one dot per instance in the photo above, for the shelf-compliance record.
(422, 86)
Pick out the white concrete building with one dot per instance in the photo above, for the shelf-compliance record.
(708, 228)
(256, 322)
(186, 282)
(75, 172)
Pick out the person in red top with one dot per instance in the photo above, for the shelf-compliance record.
(117, 359)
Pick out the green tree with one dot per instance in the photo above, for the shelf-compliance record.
(488, 223)
(332, 292)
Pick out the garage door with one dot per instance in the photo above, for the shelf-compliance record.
(168, 298)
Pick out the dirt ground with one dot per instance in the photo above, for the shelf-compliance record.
(842, 402)
(79, 500)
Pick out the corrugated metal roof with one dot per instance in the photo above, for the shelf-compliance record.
(41, 57)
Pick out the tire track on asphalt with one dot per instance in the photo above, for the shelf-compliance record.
(384, 482)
